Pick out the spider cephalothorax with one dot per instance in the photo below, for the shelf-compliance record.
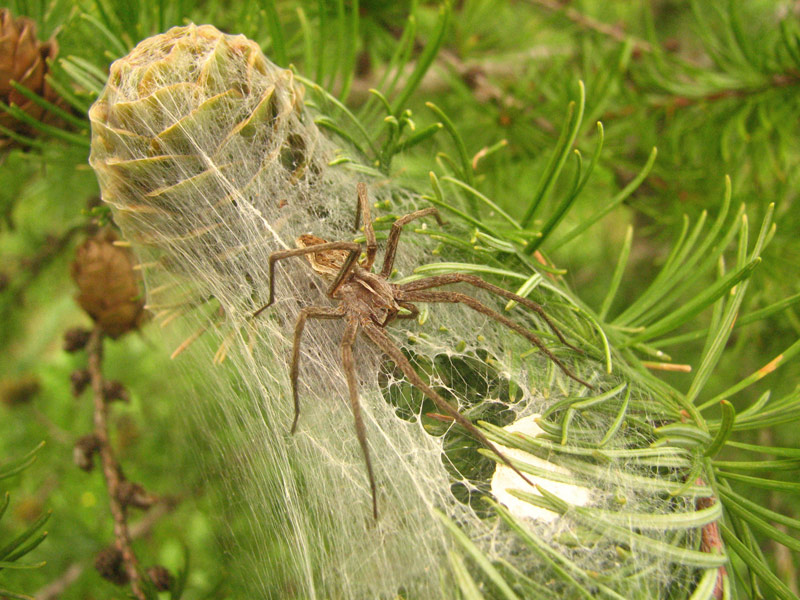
(368, 302)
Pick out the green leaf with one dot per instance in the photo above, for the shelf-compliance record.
(745, 504)
(275, 32)
(763, 527)
(563, 147)
(85, 73)
(584, 584)
(50, 107)
(319, 73)
(785, 464)
(469, 589)
(774, 451)
(9, 548)
(480, 559)
(27, 548)
(696, 305)
(418, 137)
(684, 430)
(760, 482)
(16, 466)
(345, 111)
(618, 420)
(648, 521)
(752, 317)
(724, 430)
(706, 587)
(351, 42)
(643, 543)
(399, 59)
(331, 125)
(466, 172)
(57, 132)
(119, 47)
(22, 139)
(449, 267)
(616, 278)
(758, 566)
(65, 92)
(776, 362)
(615, 201)
(477, 195)
(19, 566)
(581, 180)
(425, 60)
(582, 469)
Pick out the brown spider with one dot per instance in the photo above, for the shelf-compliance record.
(369, 302)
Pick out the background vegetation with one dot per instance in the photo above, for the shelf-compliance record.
(713, 85)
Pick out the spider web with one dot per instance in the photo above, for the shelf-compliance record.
(211, 162)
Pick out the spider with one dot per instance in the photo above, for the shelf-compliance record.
(368, 302)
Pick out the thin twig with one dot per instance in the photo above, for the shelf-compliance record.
(509, 66)
(614, 32)
(672, 103)
(111, 468)
(784, 564)
(54, 589)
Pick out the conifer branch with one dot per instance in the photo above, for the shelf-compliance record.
(616, 33)
(143, 527)
(111, 469)
(673, 102)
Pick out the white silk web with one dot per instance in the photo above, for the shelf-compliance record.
(210, 162)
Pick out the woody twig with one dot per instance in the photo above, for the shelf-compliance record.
(109, 293)
(111, 469)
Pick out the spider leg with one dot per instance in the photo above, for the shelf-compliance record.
(394, 236)
(474, 280)
(456, 297)
(352, 247)
(362, 206)
(312, 312)
(352, 385)
(385, 343)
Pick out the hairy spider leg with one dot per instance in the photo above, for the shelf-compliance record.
(450, 278)
(385, 343)
(353, 248)
(457, 297)
(348, 364)
(394, 236)
(474, 280)
(311, 312)
(362, 206)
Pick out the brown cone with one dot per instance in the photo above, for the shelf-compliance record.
(84, 450)
(108, 286)
(110, 565)
(23, 59)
